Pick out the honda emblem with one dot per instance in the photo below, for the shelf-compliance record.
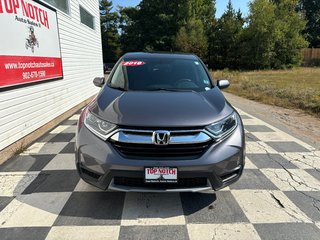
(161, 137)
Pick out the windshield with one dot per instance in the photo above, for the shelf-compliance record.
(161, 74)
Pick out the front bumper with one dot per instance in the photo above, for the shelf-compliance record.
(101, 165)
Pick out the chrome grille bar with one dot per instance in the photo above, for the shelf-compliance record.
(145, 136)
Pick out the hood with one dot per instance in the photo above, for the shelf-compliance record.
(161, 108)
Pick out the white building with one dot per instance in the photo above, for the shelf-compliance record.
(27, 107)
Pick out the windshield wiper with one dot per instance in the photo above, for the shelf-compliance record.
(170, 90)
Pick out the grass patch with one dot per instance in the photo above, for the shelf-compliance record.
(19, 148)
(297, 88)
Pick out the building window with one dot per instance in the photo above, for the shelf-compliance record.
(62, 5)
(86, 18)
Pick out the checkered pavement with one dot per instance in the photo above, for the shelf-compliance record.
(278, 196)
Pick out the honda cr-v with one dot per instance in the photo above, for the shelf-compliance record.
(160, 123)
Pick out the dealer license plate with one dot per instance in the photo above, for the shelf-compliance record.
(161, 175)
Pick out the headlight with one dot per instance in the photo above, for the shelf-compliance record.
(224, 127)
(97, 126)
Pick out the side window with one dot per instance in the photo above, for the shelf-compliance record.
(118, 79)
(86, 18)
(62, 5)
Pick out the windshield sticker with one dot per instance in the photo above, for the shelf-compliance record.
(196, 63)
(133, 63)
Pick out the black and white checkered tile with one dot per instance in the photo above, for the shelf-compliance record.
(278, 196)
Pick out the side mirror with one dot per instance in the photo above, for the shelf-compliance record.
(98, 81)
(222, 84)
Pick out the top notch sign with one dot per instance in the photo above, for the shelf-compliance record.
(27, 9)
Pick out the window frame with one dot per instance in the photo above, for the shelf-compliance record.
(68, 13)
(93, 18)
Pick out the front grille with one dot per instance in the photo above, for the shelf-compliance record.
(182, 183)
(185, 151)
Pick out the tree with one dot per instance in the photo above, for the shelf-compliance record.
(228, 32)
(289, 38)
(191, 38)
(260, 35)
(311, 9)
(131, 34)
(204, 10)
(109, 31)
(154, 24)
(274, 34)
(270, 37)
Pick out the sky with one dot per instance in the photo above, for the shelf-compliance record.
(221, 5)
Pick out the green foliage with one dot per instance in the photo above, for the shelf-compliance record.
(260, 34)
(203, 10)
(289, 39)
(152, 25)
(131, 37)
(109, 31)
(191, 38)
(274, 35)
(311, 9)
(155, 24)
(271, 36)
(226, 52)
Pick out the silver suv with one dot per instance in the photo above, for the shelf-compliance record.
(158, 124)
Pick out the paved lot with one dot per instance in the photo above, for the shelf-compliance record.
(278, 196)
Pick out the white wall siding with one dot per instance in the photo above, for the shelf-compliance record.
(25, 109)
